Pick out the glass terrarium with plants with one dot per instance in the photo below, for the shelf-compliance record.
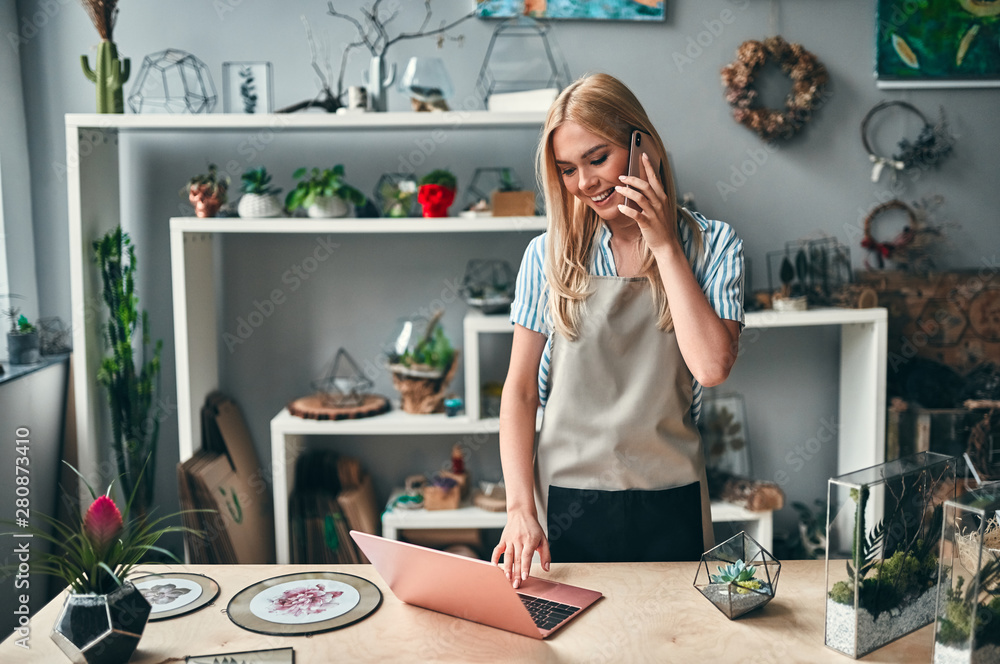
(738, 575)
(488, 285)
(422, 361)
(967, 630)
(883, 532)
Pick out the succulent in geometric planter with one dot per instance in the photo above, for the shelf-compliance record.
(488, 285)
(738, 587)
(260, 199)
(207, 192)
(324, 193)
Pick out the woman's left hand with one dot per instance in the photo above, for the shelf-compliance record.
(657, 223)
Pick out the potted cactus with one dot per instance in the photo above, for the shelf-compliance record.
(324, 193)
(260, 199)
(207, 192)
(109, 73)
(437, 192)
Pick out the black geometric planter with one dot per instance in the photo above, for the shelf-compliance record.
(102, 629)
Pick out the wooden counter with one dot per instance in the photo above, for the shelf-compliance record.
(650, 613)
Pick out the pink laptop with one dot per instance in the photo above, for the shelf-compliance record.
(473, 589)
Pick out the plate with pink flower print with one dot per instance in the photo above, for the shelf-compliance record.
(304, 603)
(173, 594)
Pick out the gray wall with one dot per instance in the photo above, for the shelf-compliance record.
(816, 183)
(15, 201)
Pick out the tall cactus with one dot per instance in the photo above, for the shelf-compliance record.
(109, 75)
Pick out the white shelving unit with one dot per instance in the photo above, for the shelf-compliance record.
(94, 187)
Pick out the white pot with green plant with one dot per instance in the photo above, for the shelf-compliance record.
(324, 193)
(260, 199)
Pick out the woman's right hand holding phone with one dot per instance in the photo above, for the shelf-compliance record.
(521, 537)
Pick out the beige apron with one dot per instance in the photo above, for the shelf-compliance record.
(619, 459)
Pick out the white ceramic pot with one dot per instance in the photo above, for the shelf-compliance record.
(259, 206)
(329, 207)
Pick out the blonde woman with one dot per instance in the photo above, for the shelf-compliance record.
(621, 315)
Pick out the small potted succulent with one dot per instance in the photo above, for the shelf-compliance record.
(260, 198)
(323, 193)
(22, 338)
(207, 192)
(509, 200)
(437, 192)
(104, 615)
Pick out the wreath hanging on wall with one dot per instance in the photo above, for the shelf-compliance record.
(809, 79)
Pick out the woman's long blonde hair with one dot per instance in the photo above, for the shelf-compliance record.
(605, 107)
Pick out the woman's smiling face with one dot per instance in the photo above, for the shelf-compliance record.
(590, 166)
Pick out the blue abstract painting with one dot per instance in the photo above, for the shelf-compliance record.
(598, 10)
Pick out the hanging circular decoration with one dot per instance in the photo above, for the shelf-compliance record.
(932, 145)
(809, 79)
(304, 603)
(173, 594)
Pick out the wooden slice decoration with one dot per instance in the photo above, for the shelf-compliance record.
(315, 407)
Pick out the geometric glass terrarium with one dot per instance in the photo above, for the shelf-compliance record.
(968, 606)
(488, 285)
(738, 576)
(883, 535)
(812, 269)
(343, 383)
(173, 81)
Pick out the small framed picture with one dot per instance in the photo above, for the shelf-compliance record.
(247, 88)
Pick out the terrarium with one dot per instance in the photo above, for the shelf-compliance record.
(173, 81)
(808, 272)
(968, 607)
(488, 285)
(738, 576)
(883, 532)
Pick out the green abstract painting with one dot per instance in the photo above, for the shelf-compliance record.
(937, 43)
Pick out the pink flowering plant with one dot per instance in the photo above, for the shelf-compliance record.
(98, 554)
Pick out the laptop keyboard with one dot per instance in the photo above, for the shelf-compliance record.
(546, 613)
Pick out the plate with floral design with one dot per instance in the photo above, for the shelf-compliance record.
(174, 594)
(304, 603)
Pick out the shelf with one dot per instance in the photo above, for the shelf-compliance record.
(395, 422)
(822, 316)
(759, 524)
(353, 225)
(304, 121)
(478, 322)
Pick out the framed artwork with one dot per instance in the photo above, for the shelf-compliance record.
(602, 10)
(270, 656)
(247, 88)
(937, 43)
(304, 603)
(723, 427)
(173, 594)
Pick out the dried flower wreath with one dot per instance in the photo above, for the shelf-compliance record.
(809, 79)
(911, 249)
(932, 145)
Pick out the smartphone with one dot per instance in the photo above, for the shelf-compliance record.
(641, 143)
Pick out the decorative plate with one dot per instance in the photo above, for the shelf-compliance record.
(304, 603)
(173, 594)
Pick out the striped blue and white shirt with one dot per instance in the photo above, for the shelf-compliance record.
(718, 269)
